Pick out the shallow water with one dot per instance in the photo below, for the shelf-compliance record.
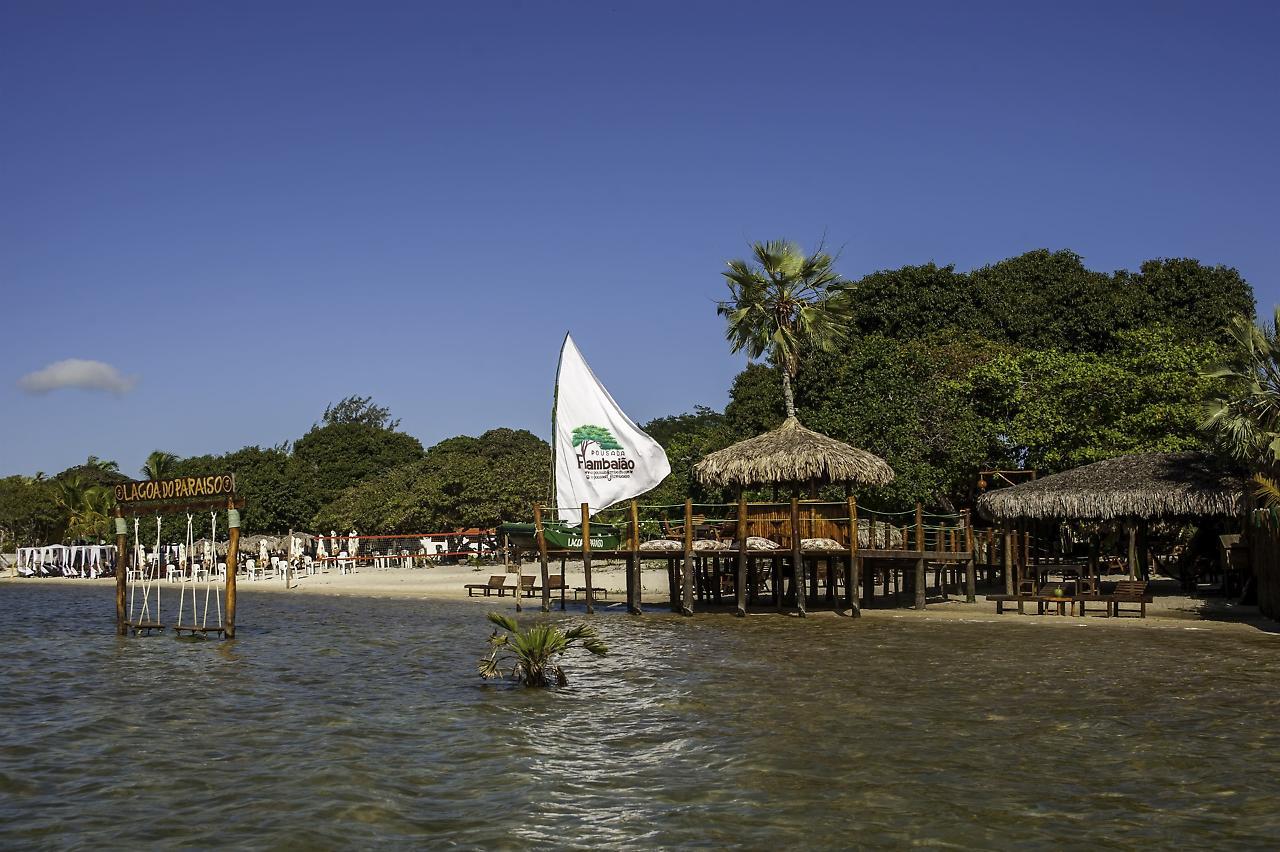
(343, 722)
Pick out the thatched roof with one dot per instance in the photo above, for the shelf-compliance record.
(792, 454)
(1143, 486)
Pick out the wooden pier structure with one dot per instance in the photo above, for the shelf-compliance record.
(848, 559)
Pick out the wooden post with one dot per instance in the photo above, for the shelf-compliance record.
(506, 557)
(920, 597)
(970, 569)
(542, 557)
(854, 576)
(635, 589)
(233, 551)
(799, 579)
(288, 562)
(742, 555)
(586, 556)
(1006, 558)
(1132, 529)
(1026, 550)
(686, 604)
(122, 571)
(1144, 550)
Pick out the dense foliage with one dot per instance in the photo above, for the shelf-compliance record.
(1033, 361)
(462, 482)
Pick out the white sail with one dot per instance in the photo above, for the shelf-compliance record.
(601, 456)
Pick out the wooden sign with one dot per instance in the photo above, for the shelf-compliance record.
(182, 488)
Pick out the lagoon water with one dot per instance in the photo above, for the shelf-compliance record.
(344, 722)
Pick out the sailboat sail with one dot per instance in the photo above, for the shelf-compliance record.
(601, 456)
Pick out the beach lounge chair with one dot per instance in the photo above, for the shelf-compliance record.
(596, 591)
(1026, 593)
(497, 581)
(1130, 592)
(555, 582)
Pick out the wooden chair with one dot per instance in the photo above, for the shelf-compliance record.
(497, 581)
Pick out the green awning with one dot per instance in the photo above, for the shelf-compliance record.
(562, 537)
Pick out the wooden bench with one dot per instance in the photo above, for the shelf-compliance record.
(497, 581)
(1131, 592)
(604, 593)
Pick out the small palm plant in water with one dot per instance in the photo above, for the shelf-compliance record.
(532, 656)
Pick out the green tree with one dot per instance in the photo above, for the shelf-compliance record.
(336, 456)
(460, 483)
(663, 428)
(1056, 410)
(359, 409)
(29, 511)
(273, 484)
(687, 439)
(160, 465)
(783, 305)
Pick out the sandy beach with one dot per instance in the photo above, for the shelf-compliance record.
(448, 582)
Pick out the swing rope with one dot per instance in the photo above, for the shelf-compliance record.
(137, 564)
(209, 589)
(186, 567)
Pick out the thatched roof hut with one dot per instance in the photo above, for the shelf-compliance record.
(792, 454)
(1145, 486)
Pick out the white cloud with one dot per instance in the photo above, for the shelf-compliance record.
(77, 373)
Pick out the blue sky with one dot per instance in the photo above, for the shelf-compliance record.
(250, 210)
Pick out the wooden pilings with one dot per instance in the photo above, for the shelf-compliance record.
(122, 572)
(635, 588)
(741, 588)
(542, 558)
(920, 590)
(853, 576)
(586, 557)
(233, 550)
(686, 603)
(797, 561)
(1007, 559)
(970, 569)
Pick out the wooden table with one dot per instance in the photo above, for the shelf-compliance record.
(1043, 601)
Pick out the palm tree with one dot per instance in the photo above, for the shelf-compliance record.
(783, 304)
(95, 463)
(160, 465)
(88, 507)
(533, 655)
(1245, 419)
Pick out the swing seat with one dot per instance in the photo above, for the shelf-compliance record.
(193, 629)
(143, 626)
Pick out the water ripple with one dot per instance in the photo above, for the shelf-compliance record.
(338, 723)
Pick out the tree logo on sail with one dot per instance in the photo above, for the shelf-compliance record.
(599, 455)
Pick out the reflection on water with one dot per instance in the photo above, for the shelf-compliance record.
(337, 722)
